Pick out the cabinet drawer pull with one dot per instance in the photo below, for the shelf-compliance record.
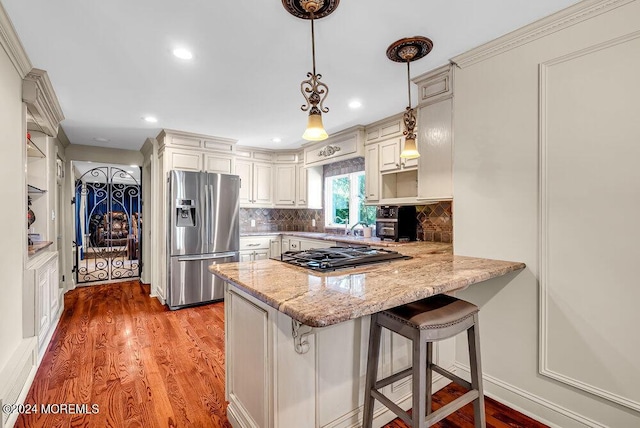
(253, 245)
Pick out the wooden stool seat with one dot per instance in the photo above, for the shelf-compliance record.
(424, 322)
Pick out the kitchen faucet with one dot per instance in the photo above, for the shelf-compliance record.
(344, 221)
(351, 232)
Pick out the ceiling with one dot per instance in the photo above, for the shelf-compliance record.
(111, 62)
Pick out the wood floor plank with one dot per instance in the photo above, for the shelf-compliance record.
(146, 367)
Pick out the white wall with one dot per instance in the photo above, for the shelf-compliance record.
(496, 173)
(12, 217)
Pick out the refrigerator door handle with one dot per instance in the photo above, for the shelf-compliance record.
(206, 217)
(207, 256)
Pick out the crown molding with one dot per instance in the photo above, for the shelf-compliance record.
(41, 100)
(11, 44)
(572, 15)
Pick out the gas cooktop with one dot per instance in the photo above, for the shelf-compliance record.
(333, 258)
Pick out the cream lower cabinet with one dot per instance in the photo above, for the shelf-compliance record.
(275, 247)
(254, 248)
(296, 243)
(42, 303)
(256, 188)
(274, 381)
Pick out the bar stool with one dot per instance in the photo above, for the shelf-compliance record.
(424, 322)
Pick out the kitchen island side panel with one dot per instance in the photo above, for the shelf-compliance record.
(320, 386)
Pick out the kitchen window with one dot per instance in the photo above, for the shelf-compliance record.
(344, 200)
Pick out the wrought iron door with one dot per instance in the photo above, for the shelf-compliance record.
(108, 225)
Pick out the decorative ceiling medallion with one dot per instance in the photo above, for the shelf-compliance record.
(409, 49)
(302, 8)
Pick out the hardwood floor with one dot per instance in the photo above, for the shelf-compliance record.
(146, 366)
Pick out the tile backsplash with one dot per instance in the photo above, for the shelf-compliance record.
(278, 219)
(435, 222)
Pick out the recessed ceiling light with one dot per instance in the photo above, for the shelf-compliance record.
(276, 140)
(355, 104)
(182, 53)
(101, 139)
(150, 119)
(133, 166)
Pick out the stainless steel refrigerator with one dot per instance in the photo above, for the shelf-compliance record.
(203, 229)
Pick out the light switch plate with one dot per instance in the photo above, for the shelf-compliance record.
(253, 223)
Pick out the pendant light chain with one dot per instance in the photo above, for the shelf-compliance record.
(409, 81)
(313, 45)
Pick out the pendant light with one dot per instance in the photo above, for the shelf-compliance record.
(408, 50)
(313, 90)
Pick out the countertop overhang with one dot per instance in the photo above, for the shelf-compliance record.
(323, 299)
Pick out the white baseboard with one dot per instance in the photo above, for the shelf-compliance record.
(16, 378)
(529, 404)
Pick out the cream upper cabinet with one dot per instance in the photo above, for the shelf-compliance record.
(435, 135)
(301, 185)
(244, 169)
(286, 184)
(256, 188)
(435, 162)
(218, 163)
(185, 160)
(372, 173)
(390, 156)
(262, 184)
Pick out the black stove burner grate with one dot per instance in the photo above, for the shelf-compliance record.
(333, 258)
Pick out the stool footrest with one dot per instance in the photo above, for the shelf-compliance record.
(448, 374)
(392, 406)
(448, 409)
(394, 377)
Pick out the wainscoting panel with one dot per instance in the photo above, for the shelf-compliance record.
(590, 220)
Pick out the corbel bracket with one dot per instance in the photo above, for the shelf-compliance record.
(300, 332)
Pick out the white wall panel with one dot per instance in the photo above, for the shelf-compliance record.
(590, 199)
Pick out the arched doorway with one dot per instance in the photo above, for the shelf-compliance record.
(108, 222)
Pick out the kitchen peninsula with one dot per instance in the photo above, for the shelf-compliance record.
(296, 340)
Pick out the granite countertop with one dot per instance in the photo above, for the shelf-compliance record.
(322, 299)
(345, 239)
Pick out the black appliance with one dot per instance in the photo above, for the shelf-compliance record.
(396, 223)
(333, 258)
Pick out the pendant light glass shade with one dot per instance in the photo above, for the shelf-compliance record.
(410, 150)
(315, 129)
